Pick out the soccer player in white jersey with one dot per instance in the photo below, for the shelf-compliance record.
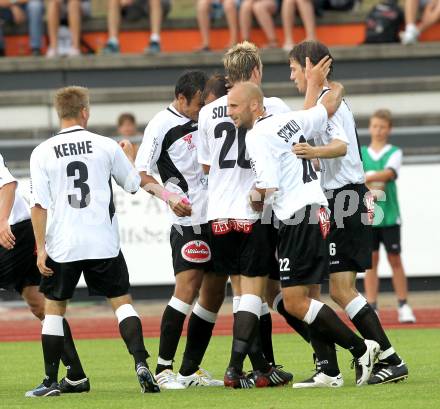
(350, 239)
(169, 144)
(71, 194)
(299, 203)
(241, 244)
(19, 272)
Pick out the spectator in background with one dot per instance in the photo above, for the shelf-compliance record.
(204, 8)
(430, 16)
(306, 11)
(133, 10)
(382, 162)
(128, 129)
(17, 12)
(264, 12)
(73, 11)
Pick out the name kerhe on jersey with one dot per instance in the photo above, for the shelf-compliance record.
(72, 149)
(288, 130)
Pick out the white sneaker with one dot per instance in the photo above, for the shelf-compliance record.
(364, 364)
(199, 378)
(406, 314)
(167, 380)
(51, 53)
(73, 52)
(409, 36)
(321, 380)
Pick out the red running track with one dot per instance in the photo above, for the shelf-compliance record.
(30, 330)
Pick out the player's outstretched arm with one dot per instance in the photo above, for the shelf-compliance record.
(39, 221)
(180, 206)
(7, 197)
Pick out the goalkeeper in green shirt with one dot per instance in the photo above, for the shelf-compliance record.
(382, 162)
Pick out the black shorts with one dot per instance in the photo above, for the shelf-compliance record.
(389, 236)
(351, 236)
(18, 267)
(107, 277)
(190, 248)
(243, 247)
(303, 247)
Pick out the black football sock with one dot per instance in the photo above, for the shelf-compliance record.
(266, 333)
(171, 328)
(245, 325)
(325, 353)
(299, 326)
(401, 303)
(256, 356)
(52, 340)
(70, 357)
(322, 318)
(200, 325)
(367, 322)
(131, 332)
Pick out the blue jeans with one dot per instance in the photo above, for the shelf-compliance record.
(34, 10)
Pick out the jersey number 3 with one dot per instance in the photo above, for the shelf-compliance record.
(78, 183)
(231, 131)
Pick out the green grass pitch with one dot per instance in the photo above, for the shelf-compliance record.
(114, 384)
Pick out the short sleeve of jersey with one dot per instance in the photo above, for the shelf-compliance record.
(5, 175)
(313, 120)
(40, 190)
(123, 171)
(395, 162)
(150, 148)
(335, 128)
(203, 152)
(264, 164)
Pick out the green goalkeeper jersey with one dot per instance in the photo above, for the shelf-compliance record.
(386, 212)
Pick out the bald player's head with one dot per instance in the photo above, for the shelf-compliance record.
(245, 104)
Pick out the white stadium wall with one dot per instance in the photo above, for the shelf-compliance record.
(144, 228)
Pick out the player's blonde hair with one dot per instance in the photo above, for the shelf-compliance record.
(384, 114)
(240, 61)
(70, 101)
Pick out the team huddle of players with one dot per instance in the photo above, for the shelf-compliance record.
(265, 220)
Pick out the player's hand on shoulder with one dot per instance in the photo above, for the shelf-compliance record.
(304, 150)
(41, 263)
(317, 74)
(7, 239)
(128, 148)
(180, 206)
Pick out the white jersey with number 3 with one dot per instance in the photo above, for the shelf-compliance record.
(269, 145)
(222, 146)
(71, 176)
